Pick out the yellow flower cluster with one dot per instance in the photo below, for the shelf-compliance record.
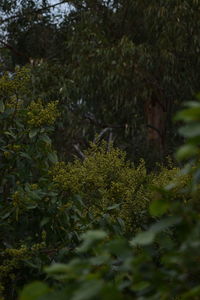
(11, 259)
(39, 115)
(19, 253)
(15, 84)
(14, 102)
(103, 179)
(106, 178)
(34, 186)
(16, 199)
(168, 176)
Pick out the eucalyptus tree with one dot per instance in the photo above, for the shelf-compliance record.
(119, 68)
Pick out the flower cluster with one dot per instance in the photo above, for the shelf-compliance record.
(42, 115)
(104, 179)
(15, 84)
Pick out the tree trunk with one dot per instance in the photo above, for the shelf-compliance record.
(156, 125)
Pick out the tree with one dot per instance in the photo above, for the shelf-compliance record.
(126, 64)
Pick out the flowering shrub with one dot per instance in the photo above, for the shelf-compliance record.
(158, 263)
(47, 207)
(105, 179)
(26, 198)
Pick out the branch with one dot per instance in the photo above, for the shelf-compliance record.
(37, 11)
(97, 139)
(82, 155)
(11, 48)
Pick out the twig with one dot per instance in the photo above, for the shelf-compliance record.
(76, 147)
(97, 139)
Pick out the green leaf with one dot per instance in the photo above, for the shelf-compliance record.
(147, 237)
(165, 224)
(34, 291)
(90, 238)
(33, 133)
(25, 155)
(190, 114)
(45, 139)
(57, 268)
(53, 157)
(186, 152)
(191, 130)
(2, 106)
(158, 207)
(88, 290)
(143, 238)
(115, 206)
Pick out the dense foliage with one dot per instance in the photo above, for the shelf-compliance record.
(121, 65)
(93, 202)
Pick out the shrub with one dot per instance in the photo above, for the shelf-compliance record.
(158, 263)
(106, 179)
(27, 202)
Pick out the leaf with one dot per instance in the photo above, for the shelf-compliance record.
(57, 268)
(45, 139)
(190, 131)
(88, 290)
(115, 206)
(33, 133)
(2, 106)
(25, 155)
(165, 224)
(186, 152)
(143, 238)
(158, 207)
(90, 238)
(34, 291)
(44, 221)
(190, 114)
(147, 237)
(53, 157)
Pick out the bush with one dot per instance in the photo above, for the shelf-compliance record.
(105, 180)
(159, 263)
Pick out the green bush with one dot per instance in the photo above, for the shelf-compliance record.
(159, 263)
(104, 180)
(48, 207)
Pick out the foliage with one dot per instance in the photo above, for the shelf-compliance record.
(105, 180)
(155, 264)
(105, 61)
(106, 227)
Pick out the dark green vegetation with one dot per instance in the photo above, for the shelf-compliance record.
(91, 207)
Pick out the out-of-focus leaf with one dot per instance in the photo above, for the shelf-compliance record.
(147, 237)
(34, 291)
(89, 290)
(90, 238)
(158, 207)
(190, 114)
(190, 130)
(186, 152)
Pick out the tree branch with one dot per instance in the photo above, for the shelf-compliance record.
(37, 11)
(11, 48)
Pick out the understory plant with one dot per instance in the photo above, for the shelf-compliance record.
(161, 262)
